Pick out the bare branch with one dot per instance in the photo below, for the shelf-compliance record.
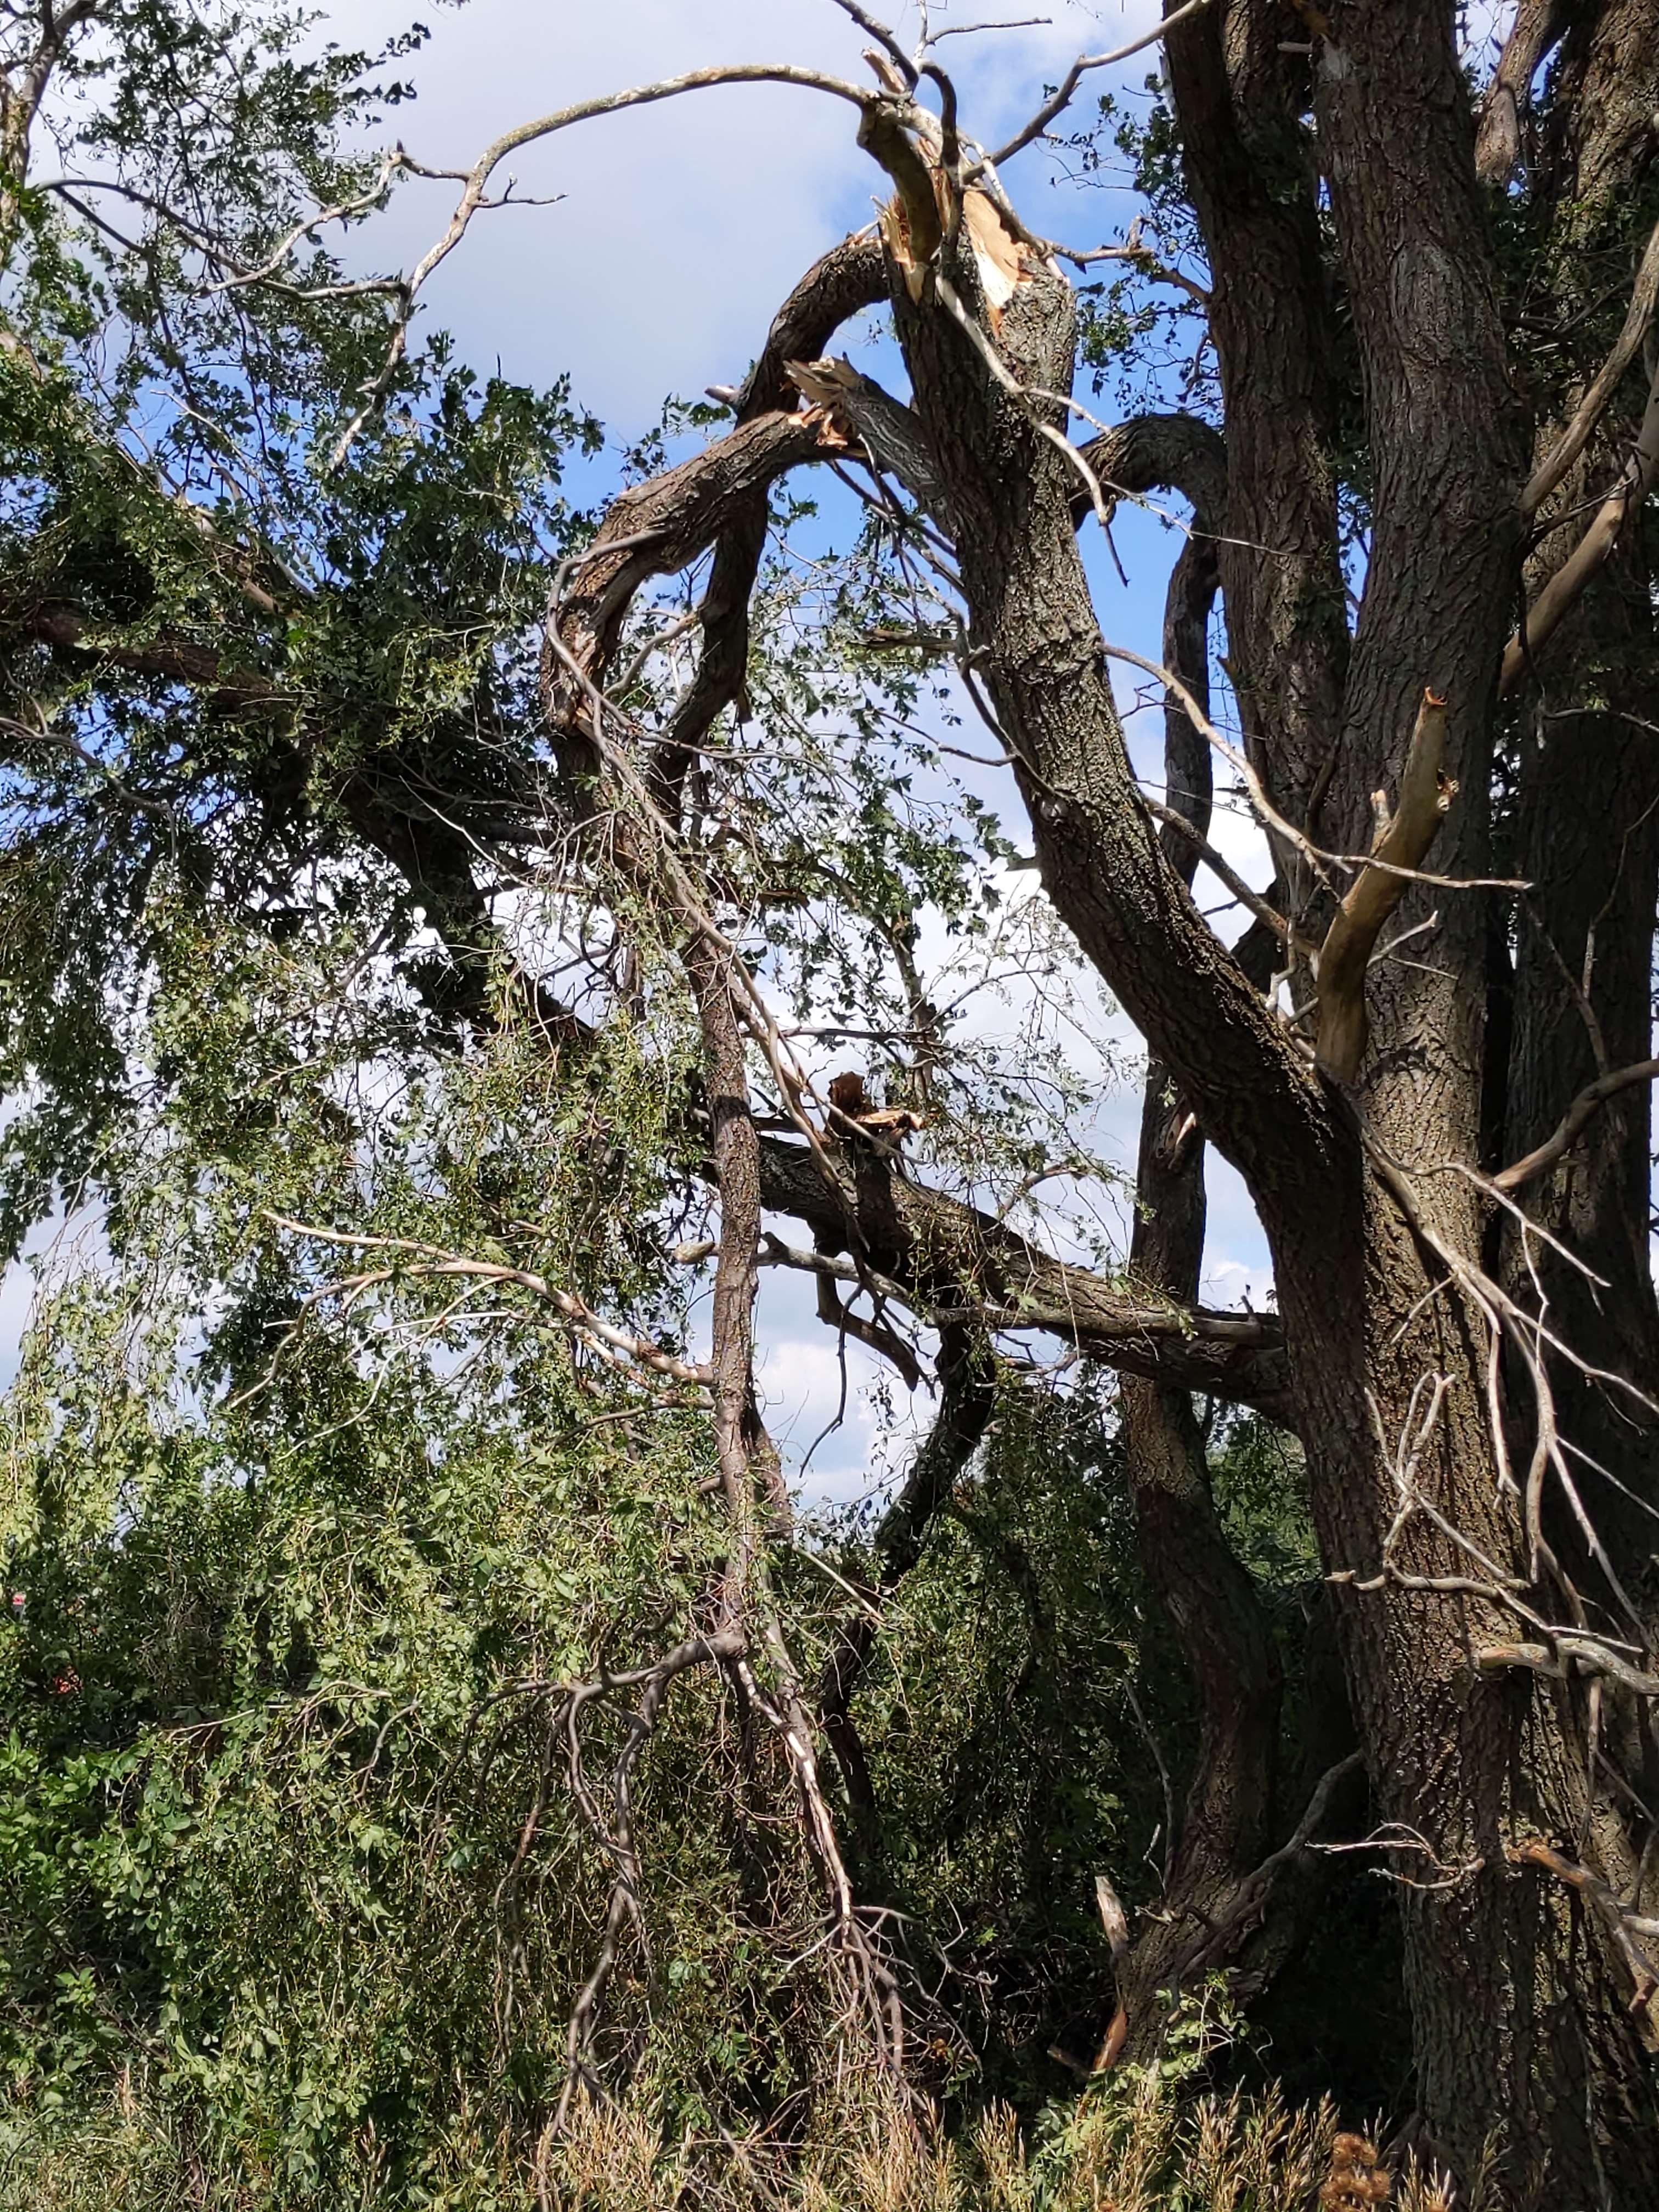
(434, 1260)
(1573, 1123)
(1061, 99)
(527, 134)
(1557, 1657)
(664, 525)
(1623, 1927)
(1225, 873)
(1565, 588)
(139, 801)
(1008, 24)
(1576, 435)
(1403, 839)
(851, 275)
(1132, 1326)
(1240, 762)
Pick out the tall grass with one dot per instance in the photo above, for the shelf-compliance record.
(1132, 2145)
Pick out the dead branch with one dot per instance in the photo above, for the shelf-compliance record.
(1061, 98)
(1267, 812)
(873, 1333)
(1021, 1288)
(429, 1261)
(1174, 450)
(1402, 839)
(1532, 1340)
(1573, 1123)
(1576, 435)
(1623, 1927)
(525, 134)
(1559, 1657)
(851, 275)
(751, 1477)
(59, 741)
(664, 525)
(874, 28)
(1229, 877)
(1567, 586)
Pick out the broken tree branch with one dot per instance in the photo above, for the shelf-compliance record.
(1238, 1356)
(1573, 1123)
(1623, 1927)
(859, 407)
(419, 1260)
(1424, 795)
(527, 134)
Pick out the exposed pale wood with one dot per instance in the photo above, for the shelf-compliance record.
(1403, 839)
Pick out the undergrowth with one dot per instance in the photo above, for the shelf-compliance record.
(1132, 2144)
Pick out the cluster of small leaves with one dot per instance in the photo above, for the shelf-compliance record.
(414, 651)
(1139, 335)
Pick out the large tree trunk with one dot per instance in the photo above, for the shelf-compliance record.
(1520, 1998)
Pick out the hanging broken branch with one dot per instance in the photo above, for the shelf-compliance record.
(1402, 839)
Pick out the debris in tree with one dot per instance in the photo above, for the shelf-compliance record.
(847, 1093)
(850, 1101)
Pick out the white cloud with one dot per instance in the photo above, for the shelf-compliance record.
(683, 224)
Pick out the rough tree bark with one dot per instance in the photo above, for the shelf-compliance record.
(1519, 2002)
(1226, 1819)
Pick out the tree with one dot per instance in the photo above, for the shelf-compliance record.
(1424, 494)
(1338, 185)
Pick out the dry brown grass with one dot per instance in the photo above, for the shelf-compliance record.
(1130, 2146)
